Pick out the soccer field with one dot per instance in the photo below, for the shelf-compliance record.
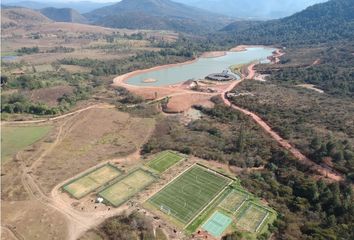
(125, 188)
(164, 161)
(188, 194)
(85, 184)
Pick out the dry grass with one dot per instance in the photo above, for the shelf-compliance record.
(49, 95)
(91, 137)
(32, 220)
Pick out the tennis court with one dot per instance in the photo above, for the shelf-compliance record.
(88, 182)
(217, 224)
(234, 201)
(126, 187)
(252, 218)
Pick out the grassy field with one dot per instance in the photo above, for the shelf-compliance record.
(164, 161)
(252, 218)
(185, 196)
(233, 201)
(125, 188)
(14, 139)
(44, 68)
(91, 181)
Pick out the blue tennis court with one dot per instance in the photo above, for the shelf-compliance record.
(217, 224)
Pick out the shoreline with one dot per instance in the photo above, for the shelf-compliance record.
(121, 79)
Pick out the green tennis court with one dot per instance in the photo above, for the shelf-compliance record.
(88, 182)
(164, 161)
(252, 218)
(217, 224)
(127, 187)
(234, 201)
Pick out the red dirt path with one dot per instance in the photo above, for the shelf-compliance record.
(324, 171)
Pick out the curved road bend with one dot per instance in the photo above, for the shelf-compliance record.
(326, 172)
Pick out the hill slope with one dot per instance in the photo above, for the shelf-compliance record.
(255, 9)
(325, 22)
(80, 6)
(63, 15)
(21, 17)
(156, 14)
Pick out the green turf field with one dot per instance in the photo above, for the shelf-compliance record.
(126, 187)
(164, 161)
(87, 183)
(234, 201)
(189, 193)
(14, 139)
(252, 218)
(217, 224)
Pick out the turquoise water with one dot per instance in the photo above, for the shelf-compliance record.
(201, 68)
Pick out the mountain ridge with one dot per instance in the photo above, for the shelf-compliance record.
(63, 15)
(329, 21)
(167, 15)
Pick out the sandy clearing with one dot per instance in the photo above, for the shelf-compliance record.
(182, 103)
(213, 54)
(311, 87)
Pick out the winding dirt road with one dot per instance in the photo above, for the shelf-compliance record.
(324, 171)
(78, 222)
(97, 106)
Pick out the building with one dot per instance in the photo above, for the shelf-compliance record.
(221, 77)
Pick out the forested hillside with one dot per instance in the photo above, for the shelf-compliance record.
(321, 23)
(157, 14)
(63, 15)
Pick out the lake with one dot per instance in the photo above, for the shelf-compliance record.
(200, 68)
(9, 58)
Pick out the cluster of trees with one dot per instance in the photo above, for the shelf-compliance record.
(18, 103)
(126, 97)
(333, 152)
(132, 226)
(222, 135)
(61, 49)
(36, 80)
(28, 50)
(28, 82)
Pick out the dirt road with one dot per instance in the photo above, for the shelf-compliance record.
(326, 172)
(78, 222)
(100, 105)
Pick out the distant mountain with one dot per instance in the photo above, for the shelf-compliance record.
(156, 14)
(255, 9)
(63, 15)
(324, 22)
(21, 17)
(80, 6)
